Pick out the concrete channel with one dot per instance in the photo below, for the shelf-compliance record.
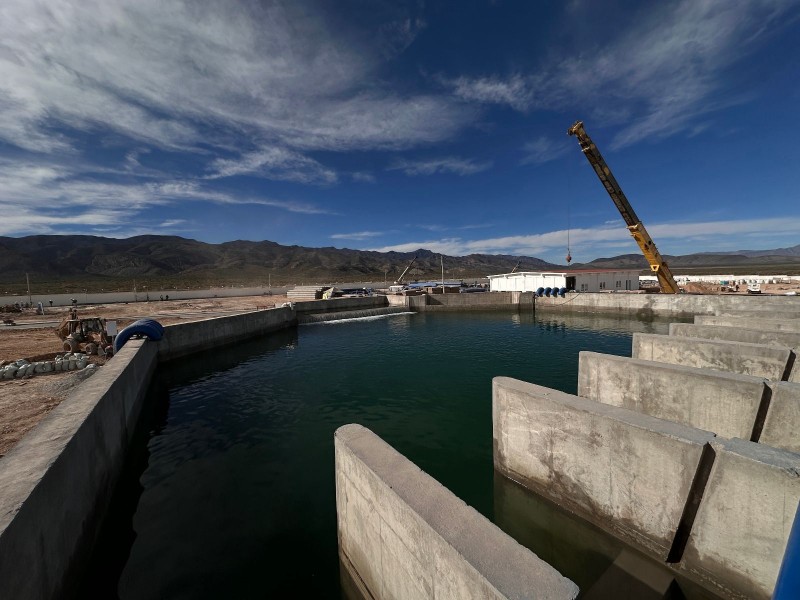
(649, 450)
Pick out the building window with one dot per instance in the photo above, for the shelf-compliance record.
(619, 285)
(602, 285)
(584, 287)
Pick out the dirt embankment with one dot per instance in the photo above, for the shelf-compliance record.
(25, 402)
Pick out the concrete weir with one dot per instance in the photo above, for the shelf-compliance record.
(728, 404)
(758, 360)
(626, 472)
(351, 314)
(403, 535)
(767, 337)
(743, 523)
(751, 322)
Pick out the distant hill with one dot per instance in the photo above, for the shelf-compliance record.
(171, 258)
(793, 251)
(781, 259)
(111, 263)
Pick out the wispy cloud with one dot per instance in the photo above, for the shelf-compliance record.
(194, 75)
(363, 177)
(666, 71)
(172, 223)
(542, 150)
(514, 91)
(274, 163)
(437, 228)
(48, 198)
(682, 236)
(359, 235)
(449, 164)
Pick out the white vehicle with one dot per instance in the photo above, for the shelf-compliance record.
(754, 288)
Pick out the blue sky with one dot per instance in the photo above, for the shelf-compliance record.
(396, 125)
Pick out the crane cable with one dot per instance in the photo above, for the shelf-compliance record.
(569, 254)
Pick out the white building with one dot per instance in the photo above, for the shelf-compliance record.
(583, 280)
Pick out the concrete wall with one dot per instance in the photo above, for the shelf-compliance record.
(406, 536)
(736, 334)
(758, 360)
(475, 301)
(679, 305)
(765, 322)
(725, 403)
(184, 338)
(339, 304)
(761, 314)
(643, 306)
(627, 472)
(782, 425)
(56, 483)
(741, 528)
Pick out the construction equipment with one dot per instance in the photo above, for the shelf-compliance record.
(635, 226)
(516, 266)
(403, 274)
(88, 335)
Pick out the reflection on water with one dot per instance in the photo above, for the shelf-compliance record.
(230, 488)
(601, 565)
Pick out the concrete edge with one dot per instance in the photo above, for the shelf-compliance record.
(720, 342)
(623, 415)
(678, 370)
(58, 480)
(459, 525)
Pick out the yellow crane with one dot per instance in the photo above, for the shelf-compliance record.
(635, 226)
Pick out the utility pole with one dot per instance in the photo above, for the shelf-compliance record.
(28, 279)
(441, 256)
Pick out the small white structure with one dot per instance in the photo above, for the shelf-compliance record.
(584, 280)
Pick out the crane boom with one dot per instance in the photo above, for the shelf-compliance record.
(635, 226)
(403, 274)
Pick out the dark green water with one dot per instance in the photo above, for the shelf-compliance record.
(230, 489)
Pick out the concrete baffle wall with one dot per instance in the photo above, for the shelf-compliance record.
(761, 314)
(736, 334)
(57, 481)
(758, 360)
(782, 425)
(628, 473)
(726, 403)
(339, 304)
(501, 301)
(182, 339)
(743, 523)
(404, 535)
(764, 323)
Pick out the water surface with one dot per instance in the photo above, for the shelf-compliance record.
(230, 489)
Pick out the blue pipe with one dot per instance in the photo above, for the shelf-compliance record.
(788, 585)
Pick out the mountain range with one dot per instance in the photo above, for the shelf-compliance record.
(151, 258)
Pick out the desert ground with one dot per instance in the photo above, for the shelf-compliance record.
(25, 402)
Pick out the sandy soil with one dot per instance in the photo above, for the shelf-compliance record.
(25, 402)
